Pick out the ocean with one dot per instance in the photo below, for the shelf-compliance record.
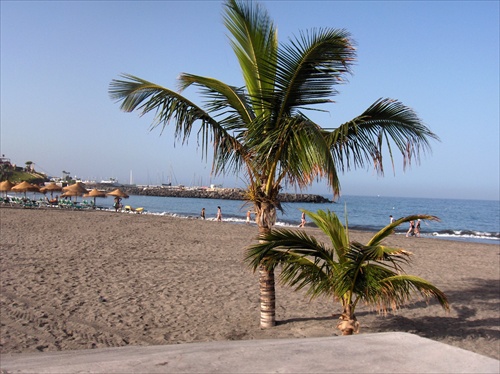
(464, 220)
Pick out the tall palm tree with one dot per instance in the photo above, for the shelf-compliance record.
(261, 129)
(347, 271)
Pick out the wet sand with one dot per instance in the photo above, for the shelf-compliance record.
(90, 279)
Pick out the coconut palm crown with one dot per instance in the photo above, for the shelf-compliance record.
(261, 129)
(347, 271)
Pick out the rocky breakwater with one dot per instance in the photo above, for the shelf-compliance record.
(216, 193)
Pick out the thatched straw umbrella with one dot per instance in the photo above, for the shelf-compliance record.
(118, 194)
(51, 187)
(77, 189)
(78, 186)
(6, 186)
(25, 187)
(95, 193)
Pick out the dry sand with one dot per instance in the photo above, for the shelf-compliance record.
(86, 279)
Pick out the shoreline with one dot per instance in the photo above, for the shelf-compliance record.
(288, 224)
(92, 279)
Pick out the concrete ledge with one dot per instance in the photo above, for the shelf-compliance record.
(366, 353)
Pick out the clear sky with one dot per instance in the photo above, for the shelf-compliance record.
(58, 57)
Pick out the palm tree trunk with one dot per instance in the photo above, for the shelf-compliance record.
(348, 323)
(265, 218)
(267, 298)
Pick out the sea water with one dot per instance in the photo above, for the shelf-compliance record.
(467, 220)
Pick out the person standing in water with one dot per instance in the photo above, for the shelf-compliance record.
(411, 229)
(202, 214)
(302, 220)
(417, 229)
(219, 214)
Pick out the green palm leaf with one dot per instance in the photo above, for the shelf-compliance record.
(310, 67)
(361, 140)
(292, 152)
(277, 244)
(405, 284)
(389, 229)
(305, 262)
(221, 97)
(255, 44)
(330, 224)
(139, 94)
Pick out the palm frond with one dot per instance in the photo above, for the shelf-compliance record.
(382, 288)
(303, 155)
(360, 279)
(278, 244)
(310, 67)
(362, 254)
(389, 229)
(138, 94)
(305, 262)
(255, 43)
(229, 106)
(221, 97)
(331, 225)
(300, 272)
(405, 285)
(295, 152)
(361, 140)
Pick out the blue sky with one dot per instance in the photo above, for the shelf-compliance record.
(57, 59)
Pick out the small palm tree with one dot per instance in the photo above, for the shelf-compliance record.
(348, 271)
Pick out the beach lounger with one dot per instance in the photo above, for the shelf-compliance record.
(7, 201)
(87, 205)
(128, 208)
(68, 204)
(29, 204)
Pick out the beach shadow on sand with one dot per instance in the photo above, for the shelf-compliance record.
(304, 319)
(466, 318)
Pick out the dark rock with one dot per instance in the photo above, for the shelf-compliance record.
(217, 193)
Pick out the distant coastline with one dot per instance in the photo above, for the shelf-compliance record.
(207, 193)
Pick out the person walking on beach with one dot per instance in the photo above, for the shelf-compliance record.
(302, 220)
(249, 216)
(202, 214)
(411, 230)
(417, 229)
(219, 214)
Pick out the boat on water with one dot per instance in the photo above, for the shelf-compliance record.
(111, 182)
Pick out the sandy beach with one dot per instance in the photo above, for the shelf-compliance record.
(89, 279)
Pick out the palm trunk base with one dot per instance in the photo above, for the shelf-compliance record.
(347, 324)
(267, 298)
